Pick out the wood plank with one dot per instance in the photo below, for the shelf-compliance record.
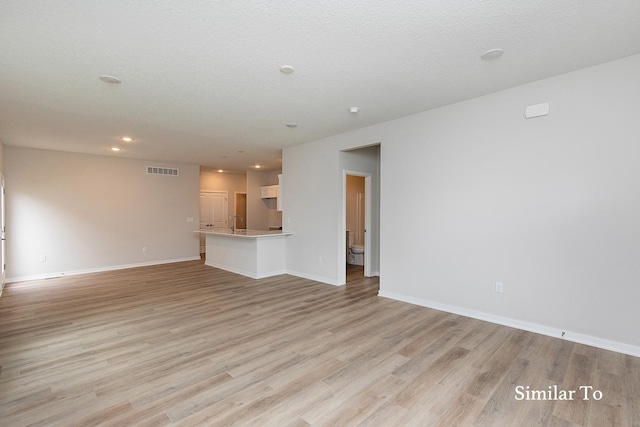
(190, 345)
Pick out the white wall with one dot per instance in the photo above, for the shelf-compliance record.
(212, 180)
(312, 211)
(548, 206)
(90, 213)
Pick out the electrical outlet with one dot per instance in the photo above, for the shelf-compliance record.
(499, 287)
(43, 258)
(144, 249)
(319, 258)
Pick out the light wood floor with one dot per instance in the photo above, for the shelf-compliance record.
(186, 344)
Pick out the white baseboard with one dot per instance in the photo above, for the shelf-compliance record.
(96, 270)
(314, 278)
(602, 343)
(274, 273)
(245, 272)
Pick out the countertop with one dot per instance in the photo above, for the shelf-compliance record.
(251, 234)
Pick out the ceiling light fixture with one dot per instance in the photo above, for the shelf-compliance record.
(291, 125)
(354, 110)
(257, 166)
(286, 69)
(115, 148)
(109, 79)
(126, 138)
(492, 54)
(220, 170)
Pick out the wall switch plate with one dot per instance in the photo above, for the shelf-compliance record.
(43, 258)
(189, 219)
(499, 287)
(144, 249)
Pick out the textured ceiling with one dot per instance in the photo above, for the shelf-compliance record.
(201, 80)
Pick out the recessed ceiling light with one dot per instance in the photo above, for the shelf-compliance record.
(220, 170)
(109, 79)
(126, 138)
(257, 166)
(492, 54)
(354, 110)
(286, 69)
(291, 125)
(115, 148)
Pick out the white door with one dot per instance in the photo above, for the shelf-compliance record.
(213, 209)
(213, 212)
(367, 225)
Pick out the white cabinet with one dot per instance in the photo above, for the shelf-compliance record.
(269, 192)
(273, 192)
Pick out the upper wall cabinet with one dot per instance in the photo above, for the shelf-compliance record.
(269, 192)
(272, 192)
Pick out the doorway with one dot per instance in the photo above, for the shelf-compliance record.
(362, 163)
(357, 220)
(240, 211)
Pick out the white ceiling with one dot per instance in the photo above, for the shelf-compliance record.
(201, 80)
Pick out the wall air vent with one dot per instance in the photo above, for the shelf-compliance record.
(155, 170)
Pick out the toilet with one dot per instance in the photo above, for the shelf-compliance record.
(356, 251)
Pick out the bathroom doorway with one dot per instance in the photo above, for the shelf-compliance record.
(363, 220)
(357, 220)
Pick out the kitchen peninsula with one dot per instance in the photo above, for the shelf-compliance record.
(252, 253)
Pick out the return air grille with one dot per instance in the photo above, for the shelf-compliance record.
(155, 170)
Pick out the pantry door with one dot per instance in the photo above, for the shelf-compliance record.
(213, 209)
(213, 212)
